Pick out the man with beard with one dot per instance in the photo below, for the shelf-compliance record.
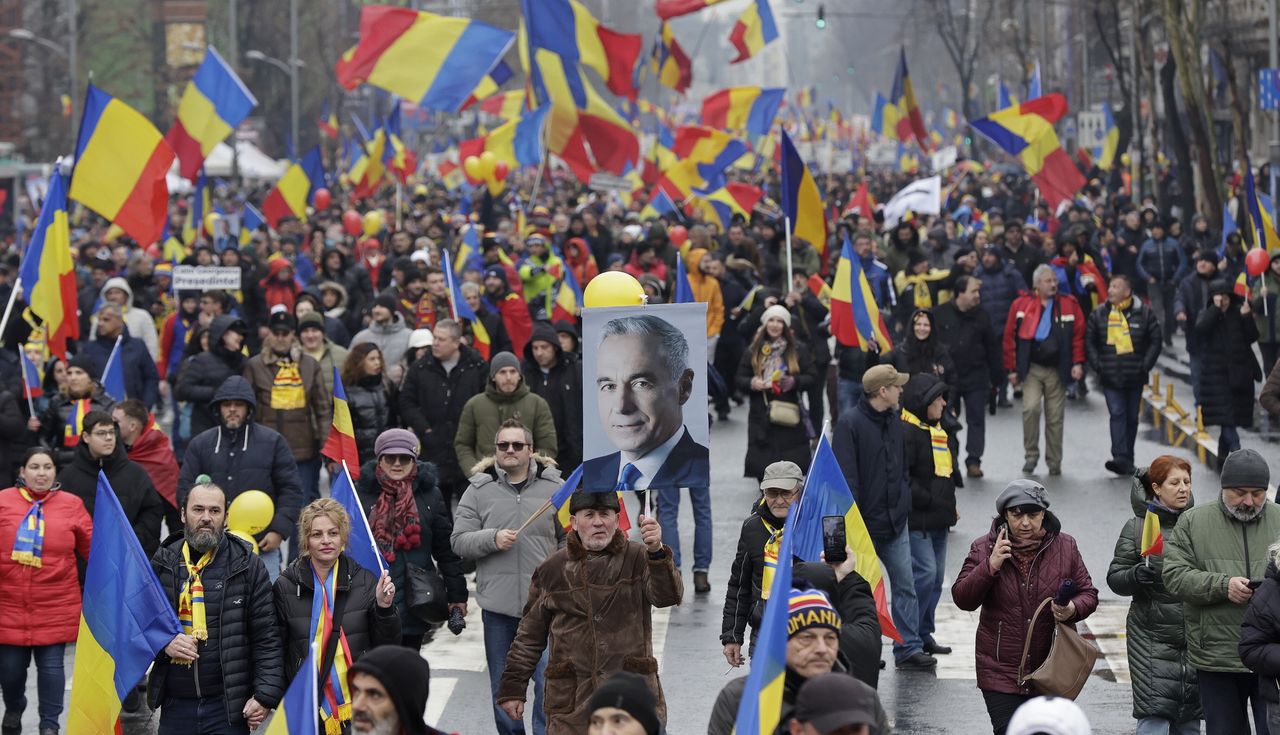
(389, 687)
(1209, 560)
(225, 671)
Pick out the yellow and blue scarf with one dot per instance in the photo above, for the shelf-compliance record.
(770, 558)
(75, 422)
(191, 599)
(942, 465)
(335, 696)
(28, 547)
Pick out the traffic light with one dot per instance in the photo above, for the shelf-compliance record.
(822, 17)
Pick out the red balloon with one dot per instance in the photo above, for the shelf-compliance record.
(500, 170)
(678, 235)
(322, 199)
(352, 222)
(1257, 261)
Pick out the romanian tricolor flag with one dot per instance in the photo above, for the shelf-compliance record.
(567, 29)
(490, 85)
(1026, 131)
(807, 97)
(732, 198)
(1263, 228)
(299, 710)
(193, 227)
(827, 494)
(884, 118)
(480, 338)
(683, 289)
(568, 303)
(752, 109)
(668, 9)
(660, 204)
(1105, 152)
(669, 61)
(855, 317)
(517, 142)
(340, 445)
(48, 275)
(250, 220)
(801, 200)
(214, 103)
(32, 381)
(360, 545)
(121, 162)
(125, 620)
(559, 502)
(1152, 536)
(328, 121)
(451, 174)
(506, 105)
(434, 60)
(760, 710)
(289, 196)
(909, 119)
(400, 161)
(753, 31)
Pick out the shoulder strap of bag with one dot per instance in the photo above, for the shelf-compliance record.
(1026, 645)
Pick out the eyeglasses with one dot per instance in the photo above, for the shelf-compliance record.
(397, 459)
(774, 493)
(103, 434)
(511, 446)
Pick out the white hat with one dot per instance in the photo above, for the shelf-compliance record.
(1050, 716)
(420, 338)
(420, 256)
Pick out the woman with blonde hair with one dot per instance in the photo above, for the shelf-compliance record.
(775, 372)
(325, 597)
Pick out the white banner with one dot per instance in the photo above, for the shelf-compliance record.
(922, 197)
(206, 278)
(943, 158)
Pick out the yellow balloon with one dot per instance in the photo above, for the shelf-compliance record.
(496, 186)
(473, 168)
(1124, 160)
(372, 222)
(251, 512)
(488, 162)
(613, 288)
(251, 540)
(211, 221)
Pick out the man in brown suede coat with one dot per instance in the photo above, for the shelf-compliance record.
(590, 602)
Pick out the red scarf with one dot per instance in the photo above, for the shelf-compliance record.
(395, 520)
(1031, 317)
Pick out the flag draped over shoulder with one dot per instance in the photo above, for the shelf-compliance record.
(125, 620)
(214, 103)
(47, 274)
(437, 61)
(1026, 131)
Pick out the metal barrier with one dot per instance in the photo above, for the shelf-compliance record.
(1179, 427)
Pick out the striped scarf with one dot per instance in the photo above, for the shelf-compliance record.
(286, 389)
(75, 421)
(191, 599)
(942, 465)
(28, 547)
(1118, 328)
(335, 695)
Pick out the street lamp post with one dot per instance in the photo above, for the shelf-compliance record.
(290, 69)
(67, 54)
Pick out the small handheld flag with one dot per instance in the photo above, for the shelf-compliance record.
(1152, 537)
(299, 710)
(340, 445)
(361, 545)
(113, 374)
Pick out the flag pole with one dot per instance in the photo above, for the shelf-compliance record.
(382, 567)
(787, 225)
(536, 515)
(447, 267)
(8, 309)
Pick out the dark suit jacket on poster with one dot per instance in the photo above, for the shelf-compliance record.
(688, 465)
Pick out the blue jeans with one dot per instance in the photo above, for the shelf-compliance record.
(51, 680)
(207, 716)
(271, 559)
(848, 393)
(1161, 726)
(975, 419)
(1228, 442)
(895, 557)
(1123, 405)
(929, 561)
(669, 517)
(499, 632)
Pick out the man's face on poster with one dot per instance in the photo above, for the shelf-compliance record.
(638, 398)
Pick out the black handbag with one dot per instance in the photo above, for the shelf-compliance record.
(424, 594)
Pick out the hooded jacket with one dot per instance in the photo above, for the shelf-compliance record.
(207, 371)
(142, 504)
(431, 404)
(484, 413)
(304, 427)
(1164, 682)
(561, 387)
(491, 503)
(933, 498)
(392, 340)
(251, 457)
(136, 319)
(276, 293)
(707, 290)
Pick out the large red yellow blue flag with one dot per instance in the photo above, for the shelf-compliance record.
(760, 710)
(724, 202)
(801, 200)
(125, 619)
(670, 62)
(490, 85)
(506, 105)
(668, 9)
(567, 29)
(827, 494)
(855, 317)
(1152, 536)
(214, 103)
(752, 109)
(753, 31)
(288, 198)
(121, 162)
(518, 142)
(399, 158)
(909, 121)
(1026, 131)
(340, 445)
(434, 60)
(48, 275)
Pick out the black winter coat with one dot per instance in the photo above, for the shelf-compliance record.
(372, 401)
(1164, 682)
(365, 624)
(768, 442)
(141, 380)
(973, 344)
(435, 552)
(742, 594)
(1260, 635)
(431, 404)
(250, 655)
(202, 376)
(1000, 286)
(872, 452)
(561, 388)
(14, 436)
(142, 503)
(1190, 299)
(1230, 368)
(933, 498)
(1116, 370)
(53, 421)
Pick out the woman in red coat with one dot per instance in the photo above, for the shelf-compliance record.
(42, 530)
(1009, 571)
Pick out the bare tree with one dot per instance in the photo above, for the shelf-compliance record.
(962, 31)
(1181, 19)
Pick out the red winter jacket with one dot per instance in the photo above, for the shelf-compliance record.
(1007, 606)
(1067, 327)
(154, 452)
(41, 606)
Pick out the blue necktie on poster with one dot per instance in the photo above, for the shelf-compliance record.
(627, 482)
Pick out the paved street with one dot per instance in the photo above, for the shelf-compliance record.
(1091, 503)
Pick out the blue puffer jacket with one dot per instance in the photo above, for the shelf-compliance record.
(141, 380)
(1163, 260)
(1000, 286)
(251, 457)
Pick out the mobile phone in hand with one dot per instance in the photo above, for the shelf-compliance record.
(1253, 584)
(833, 539)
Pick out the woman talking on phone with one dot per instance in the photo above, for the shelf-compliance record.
(1024, 559)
